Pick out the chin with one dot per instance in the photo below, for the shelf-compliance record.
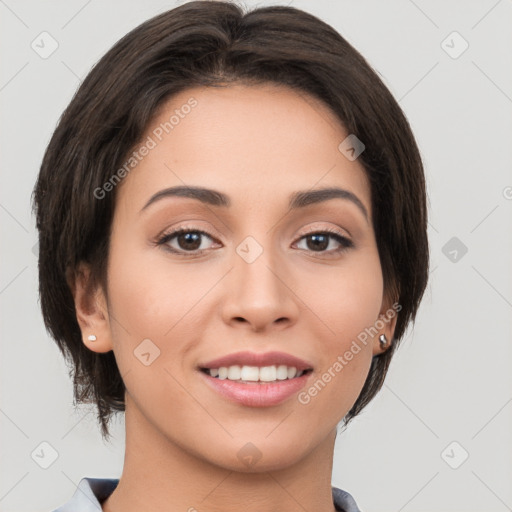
(260, 456)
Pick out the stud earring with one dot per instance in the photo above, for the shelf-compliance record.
(383, 340)
(91, 337)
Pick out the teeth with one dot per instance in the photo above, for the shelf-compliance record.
(234, 373)
(255, 373)
(268, 373)
(282, 372)
(250, 373)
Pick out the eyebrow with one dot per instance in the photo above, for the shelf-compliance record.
(299, 199)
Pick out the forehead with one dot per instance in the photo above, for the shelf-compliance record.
(262, 141)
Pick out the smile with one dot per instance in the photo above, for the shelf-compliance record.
(256, 379)
(254, 373)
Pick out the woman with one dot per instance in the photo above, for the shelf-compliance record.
(233, 240)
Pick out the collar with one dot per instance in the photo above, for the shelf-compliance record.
(91, 492)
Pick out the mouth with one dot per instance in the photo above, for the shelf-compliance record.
(255, 374)
(256, 379)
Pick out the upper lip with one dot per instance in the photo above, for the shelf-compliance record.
(258, 359)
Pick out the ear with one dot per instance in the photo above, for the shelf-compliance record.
(91, 309)
(385, 324)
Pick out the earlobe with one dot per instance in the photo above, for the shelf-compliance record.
(385, 324)
(91, 310)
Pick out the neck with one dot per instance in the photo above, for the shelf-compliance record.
(159, 475)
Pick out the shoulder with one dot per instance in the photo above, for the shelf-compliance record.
(89, 495)
(343, 501)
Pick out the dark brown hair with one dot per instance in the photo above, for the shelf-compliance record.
(211, 44)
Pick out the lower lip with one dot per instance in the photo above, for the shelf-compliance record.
(257, 394)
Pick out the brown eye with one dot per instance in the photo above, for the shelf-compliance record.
(186, 240)
(319, 241)
(190, 240)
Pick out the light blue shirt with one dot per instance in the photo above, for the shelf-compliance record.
(91, 492)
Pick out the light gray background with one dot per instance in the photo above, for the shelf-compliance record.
(451, 380)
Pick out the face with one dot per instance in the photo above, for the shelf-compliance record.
(251, 272)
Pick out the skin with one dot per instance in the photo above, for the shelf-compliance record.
(257, 144)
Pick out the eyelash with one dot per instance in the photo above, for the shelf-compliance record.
(166, 237)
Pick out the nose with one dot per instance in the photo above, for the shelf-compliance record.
(258, 294)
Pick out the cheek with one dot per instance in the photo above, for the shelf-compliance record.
(358, 306)
(136, 303)
(348, 299)
(142, 298)
(349, 307)
(151, 298)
